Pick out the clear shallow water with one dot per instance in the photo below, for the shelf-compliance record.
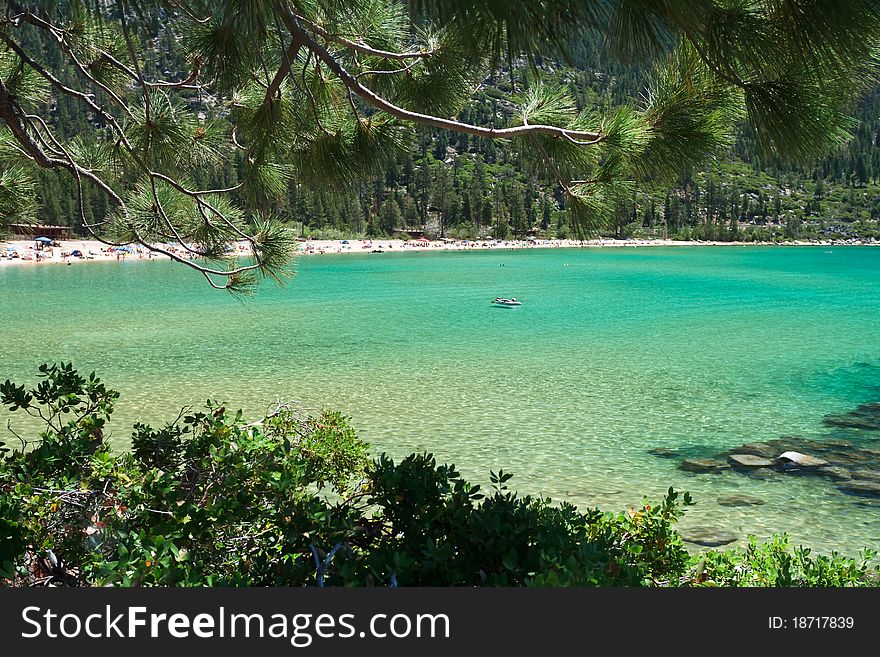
(614, 352)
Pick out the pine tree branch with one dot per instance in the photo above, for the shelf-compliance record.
(58, 33)
(404, 69)
(272, 91)
(77, 175)
(13, 117)
(60, 37)
(287, 69)
(88, 99)
(372, 98)
(188, 83)
(27, 135)
(151, 175)
(361, 47)
(17, 121)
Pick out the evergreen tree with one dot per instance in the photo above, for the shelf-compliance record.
(546, 213)
(389, 216)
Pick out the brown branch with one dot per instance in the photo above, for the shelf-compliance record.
(287, 69)
(78, 173)
(13, 116)
(15, 119)
(88, 99)
(360, 46)
(18, 121)
(196, 193)
(404, 69)
(272, 91)
(188, 83)
(372, 98)
(59, 35)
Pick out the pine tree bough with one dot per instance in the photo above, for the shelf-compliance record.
(359, 47)
(326, 93)
(13, 117)
(435, 122)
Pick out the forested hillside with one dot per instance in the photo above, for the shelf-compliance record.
(454, 185)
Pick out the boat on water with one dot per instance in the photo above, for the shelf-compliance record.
(503, 301)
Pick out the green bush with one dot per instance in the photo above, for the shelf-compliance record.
(294, 500)
(776, 563)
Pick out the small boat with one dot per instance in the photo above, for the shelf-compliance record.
(503, 301)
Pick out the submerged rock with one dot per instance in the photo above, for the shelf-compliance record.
(789, 442)
(802, 460)
(759, 473)
(835, 472)
(663, 452)
(739, 500)
(835, 443)
(757, 449)
(750, 461)
(708, 536)
(797, 444)
(860, 487)
(866, 416)
(854, 457)
(864, 474)
(704, 465)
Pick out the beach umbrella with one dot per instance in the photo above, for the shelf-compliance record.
(124, 249)
(44, 240)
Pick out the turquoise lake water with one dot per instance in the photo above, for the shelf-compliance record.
(613, 352)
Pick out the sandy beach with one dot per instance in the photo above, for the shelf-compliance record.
(386, 245)
(69, 252)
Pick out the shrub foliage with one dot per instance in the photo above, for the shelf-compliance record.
(294, 500)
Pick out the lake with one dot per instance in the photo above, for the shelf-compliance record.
(613, 353)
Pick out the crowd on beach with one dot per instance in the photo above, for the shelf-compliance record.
(424, 244)
(73, 251)
(66, 252)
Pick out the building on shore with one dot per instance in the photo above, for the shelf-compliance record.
(30, 231)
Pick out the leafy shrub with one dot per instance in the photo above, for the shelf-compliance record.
(327, 445)
(777, 563)
(207, 499)
(158, 448)
(293, 500)
(436, 529)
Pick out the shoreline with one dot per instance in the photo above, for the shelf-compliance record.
(77, 251)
